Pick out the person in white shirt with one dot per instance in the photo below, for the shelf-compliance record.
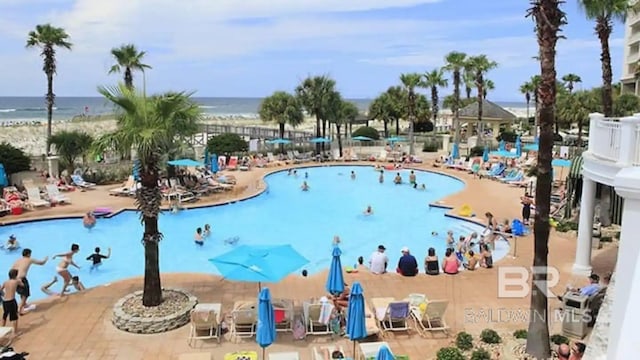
(379, 260)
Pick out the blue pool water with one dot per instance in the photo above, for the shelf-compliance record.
(283, 214)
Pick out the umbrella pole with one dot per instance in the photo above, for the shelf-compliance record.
(354, 349)
(263, 354)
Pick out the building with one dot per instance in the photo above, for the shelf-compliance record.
(613, 159)
(631, 53)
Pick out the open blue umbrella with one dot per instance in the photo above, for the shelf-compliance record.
(502, 146)
(279, 142)
(485, 154)
(361, 138)
(518, 147)
(3, 176)
(266, 329)
(214, 163)
(136, 169)
(503, 153)
(319, 140)
(384, 353)
(185, 162)
(356, 322)
(455, 152)
(395, 139)
(259, 263)
(335, 280)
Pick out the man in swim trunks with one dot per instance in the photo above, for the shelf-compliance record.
(9, 304)
(22, 265)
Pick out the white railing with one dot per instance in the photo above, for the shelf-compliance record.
(615, 139)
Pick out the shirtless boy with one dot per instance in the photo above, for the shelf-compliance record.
(9, 304)
(22, 265)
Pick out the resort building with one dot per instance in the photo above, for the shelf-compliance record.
(613, 159)
(631, 53)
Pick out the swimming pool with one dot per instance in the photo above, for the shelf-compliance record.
(282, 214)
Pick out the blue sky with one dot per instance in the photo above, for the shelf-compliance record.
(251, 48)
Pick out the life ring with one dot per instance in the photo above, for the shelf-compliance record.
(465, 211)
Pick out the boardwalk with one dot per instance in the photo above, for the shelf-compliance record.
(252, 132)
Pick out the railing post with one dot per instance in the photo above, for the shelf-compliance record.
(628, 139)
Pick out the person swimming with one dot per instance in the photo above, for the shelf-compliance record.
(207, 231)
(398, 179)
(197, 238)
(305, 186)
(412, 179)
(89, 220)
(368, 211)
(336, 240)
(353, 175)
(306, 175)
(96, 258)
(381, 177)
(12, 243)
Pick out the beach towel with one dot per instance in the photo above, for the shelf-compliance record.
(399, 310)
(517, 228)
(278, 315)
(299, 331)
(326, 309)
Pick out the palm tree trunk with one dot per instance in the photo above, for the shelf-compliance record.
(281, 129)
(386, 128)
(536, 116)
(412, 118)
(480, 101)
(318, 133)
(128, 78)
(603, 29)
(339, 139)
(50, 100)
(324, 131)
(468, 90)
(456, 111)
(528, 101)
(435, 105)
(549, 19)
(579, 141)
(397, 127)
(148, 200)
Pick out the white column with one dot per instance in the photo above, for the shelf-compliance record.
(582, 265)
(628, 140)
(445, 142)
(623, 339)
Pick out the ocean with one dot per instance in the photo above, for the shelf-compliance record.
(32, 109)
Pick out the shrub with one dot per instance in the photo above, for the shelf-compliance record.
(430, 146)
(13, 159)
(559, 339)
(464, 341)
(449, 353)
(226, 144)
(480, 354)
(366, 131)
(520, 334)
(423, 126)
(490, 336)
(566, 226)
(476, 151)
(507, 136)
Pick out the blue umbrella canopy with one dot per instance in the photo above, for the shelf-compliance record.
(207, 158)
(562, 163)
(259, 263)
(319, 140)
(335, 280)
(279, 142)
(266, 329)
(362, 138)
(214, 163)
(384, 353)
(185, 162)
(485, 154)
(455, 152)
(518, 146)
(503, 153)
(356, 323)
(394, 139)
(3, 176)
(502, 146)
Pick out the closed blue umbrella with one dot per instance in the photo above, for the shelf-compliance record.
(455, 152)
(185, 162)
(3, 176)
(485, 154)
(266, 329)
(518, 147)
(356, 322)
(207, 158)
(279, 142)
(214, 163)
(319, 140)
(335, 281)
(136, 169)
(384, 353)
(502, 146)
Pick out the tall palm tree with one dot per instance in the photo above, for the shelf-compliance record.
(527, 89)
(130, 59)
(480, 65)
(570, 80)
(605, 12)
(398, 102)
(340, 112)
(488, 86)
(48, 38)
(314, 94)
(469, 82)
(433, 80)
(382, 109)
(152, 126)
(455, 63)
(411, 81)
(281, 108)
(549, 19)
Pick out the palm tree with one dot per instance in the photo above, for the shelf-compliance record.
(152, 126)
(128, 58)
(605, 12)
(433, 80)
(549, 19)
(526, 89)
(480, 65)
(488, 86)
(535, 83)
(382, 109)
(340, 112)
(570, 80)
(281, 108)
(410, 82)
(314, 94)
(48, 38)
(398, 97)
(455, 63)
(70, 145)
(469, 82)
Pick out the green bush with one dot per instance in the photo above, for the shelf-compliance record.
(107, 176)
(423, 126)
(13, 159)
(559, 339)
(476, 151)
(227, 144)
(366, 131)
(490, 336)
(430, 147)
(520, 334)
(449, 353)
(507, 136)
(480, 354)
(566, 226)
(464, 341)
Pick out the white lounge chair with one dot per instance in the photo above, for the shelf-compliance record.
(284, 356)
(205, 322)
(392, 315)
(79, 181)
(244, 320)
(311, 312)
(55, 195)
(126, 189)
(34, 197)
(318, 353)
(432, 318)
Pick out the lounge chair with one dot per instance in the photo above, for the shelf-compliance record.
(205, 322)
(233, 163)
(222, 162)
(127, 189)
(432, 318)
(518, 176)
(392, 315)
(241, 355)
(6, 335)
(55, 196)
(34, 197)
(382, 156)
(318, 353)
(196, 356)
(284, 356)
(244, 320)
(314, 326)
(79, 182)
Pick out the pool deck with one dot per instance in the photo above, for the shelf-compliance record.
(79, 326)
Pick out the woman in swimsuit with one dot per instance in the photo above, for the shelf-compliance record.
(526, 202)
(63, 267)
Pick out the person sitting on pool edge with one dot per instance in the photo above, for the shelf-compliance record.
(368, 211)
(407, 265)
(398, 179)
(305, 186)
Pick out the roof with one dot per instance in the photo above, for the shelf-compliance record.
(490, 110)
